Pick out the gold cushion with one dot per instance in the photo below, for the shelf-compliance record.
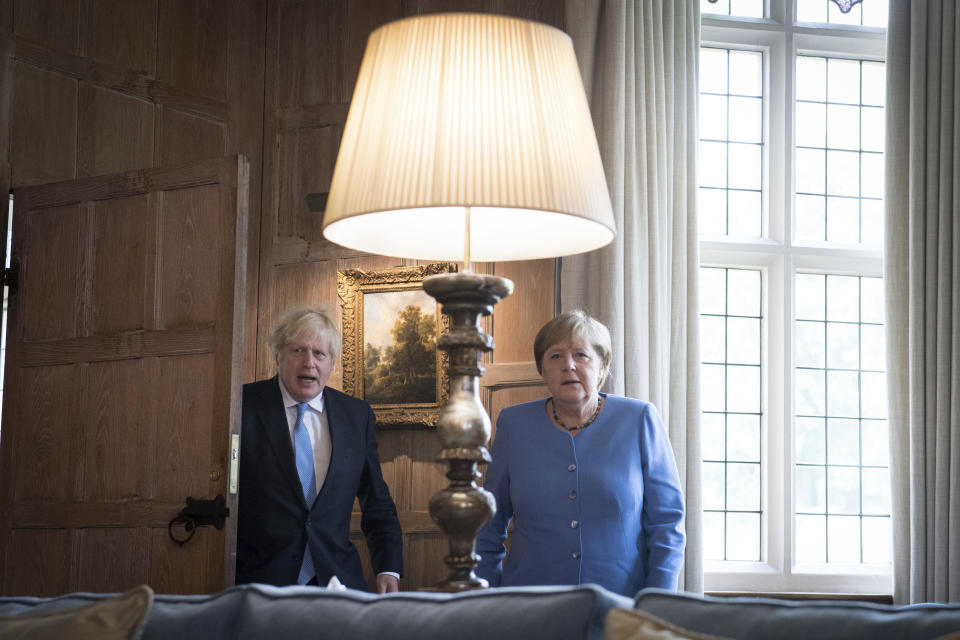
(632, 624)
(118, 618)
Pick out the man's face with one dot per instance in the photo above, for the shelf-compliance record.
(304, 365)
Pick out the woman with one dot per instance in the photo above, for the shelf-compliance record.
(588, 478)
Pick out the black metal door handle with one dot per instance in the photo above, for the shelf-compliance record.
(199, 513)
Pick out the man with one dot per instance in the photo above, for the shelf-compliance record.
(306, 452)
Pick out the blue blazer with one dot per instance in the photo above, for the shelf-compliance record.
(275, 523)
(603, 507)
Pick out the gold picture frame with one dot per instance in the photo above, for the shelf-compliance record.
(389, 343)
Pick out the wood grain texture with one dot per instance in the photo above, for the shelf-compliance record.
(121, 346)
(118, 278)
(113, 424)
(518, 317)
(192, 55)
(119, 134)
(189, 248)
(43, 146)
(183, 448)
(424, 559)
(98, 86)
(311, 37)
(245, 130)
(397, 464)
(167, 559)
(306, 159)
(183, 136)
(123, 569)
(108, 444)
(50, 267)
(46, 467)
(123, 34)
(53, 23)
(37, 562)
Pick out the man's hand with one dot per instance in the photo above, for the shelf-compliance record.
(387, 583)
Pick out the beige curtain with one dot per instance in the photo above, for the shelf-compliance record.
(922, 275)
(639, 62)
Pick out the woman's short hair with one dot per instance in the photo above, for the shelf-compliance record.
(578, 324)
(299, 320)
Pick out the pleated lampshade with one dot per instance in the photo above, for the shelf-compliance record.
(455, 112)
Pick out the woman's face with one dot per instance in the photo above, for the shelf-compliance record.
(571, 369)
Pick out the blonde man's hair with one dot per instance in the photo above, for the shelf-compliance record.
(570, 324)
(297, 321)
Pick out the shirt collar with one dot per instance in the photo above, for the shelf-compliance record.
(315, 403)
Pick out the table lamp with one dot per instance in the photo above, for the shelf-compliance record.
(468, 137)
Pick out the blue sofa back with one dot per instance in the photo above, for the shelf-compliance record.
(765, 618)
(261, 611)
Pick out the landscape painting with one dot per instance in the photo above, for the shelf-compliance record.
(399, 347)
(391, 328)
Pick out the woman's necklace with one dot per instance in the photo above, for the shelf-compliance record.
(553, 407)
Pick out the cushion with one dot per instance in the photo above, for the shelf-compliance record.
(117, 618)
(559, 613)
(627, 624)
(763, 618)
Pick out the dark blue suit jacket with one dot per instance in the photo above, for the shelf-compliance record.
(275, 523)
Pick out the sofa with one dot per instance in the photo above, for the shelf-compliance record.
(582, 612)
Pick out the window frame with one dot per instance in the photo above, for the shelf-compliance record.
(779, 258)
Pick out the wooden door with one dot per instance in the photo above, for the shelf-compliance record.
(123, 379)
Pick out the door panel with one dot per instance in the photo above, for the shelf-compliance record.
(123, 379)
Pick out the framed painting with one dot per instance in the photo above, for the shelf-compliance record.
(390, 331)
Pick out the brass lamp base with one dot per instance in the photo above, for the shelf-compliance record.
(463, 508)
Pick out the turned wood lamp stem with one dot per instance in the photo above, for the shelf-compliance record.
(461, 509)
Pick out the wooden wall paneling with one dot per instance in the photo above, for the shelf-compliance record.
(321, 45)
(193, 47)
(161, 82)
(166, 562)
(429, 476)
(245, 100)
(421, 7)
(306, 157)
(38, 562)
(311, 53)
(362, 19)
(121, 230)
(52, 23)
(117, 132)
(185, 137)
(112, 430)
(46, 467)
(126, 567)
(44, 126)
(189, 240)
(6, 105)
(551, 12)
(57, 315)
(394, 447)
(423, 558)
(186, 464)
(517, 318)
(123, 34)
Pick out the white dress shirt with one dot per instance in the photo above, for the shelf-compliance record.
(315, 420)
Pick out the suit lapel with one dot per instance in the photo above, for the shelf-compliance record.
(273, 420)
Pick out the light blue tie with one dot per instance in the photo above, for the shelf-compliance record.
(308, 480)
